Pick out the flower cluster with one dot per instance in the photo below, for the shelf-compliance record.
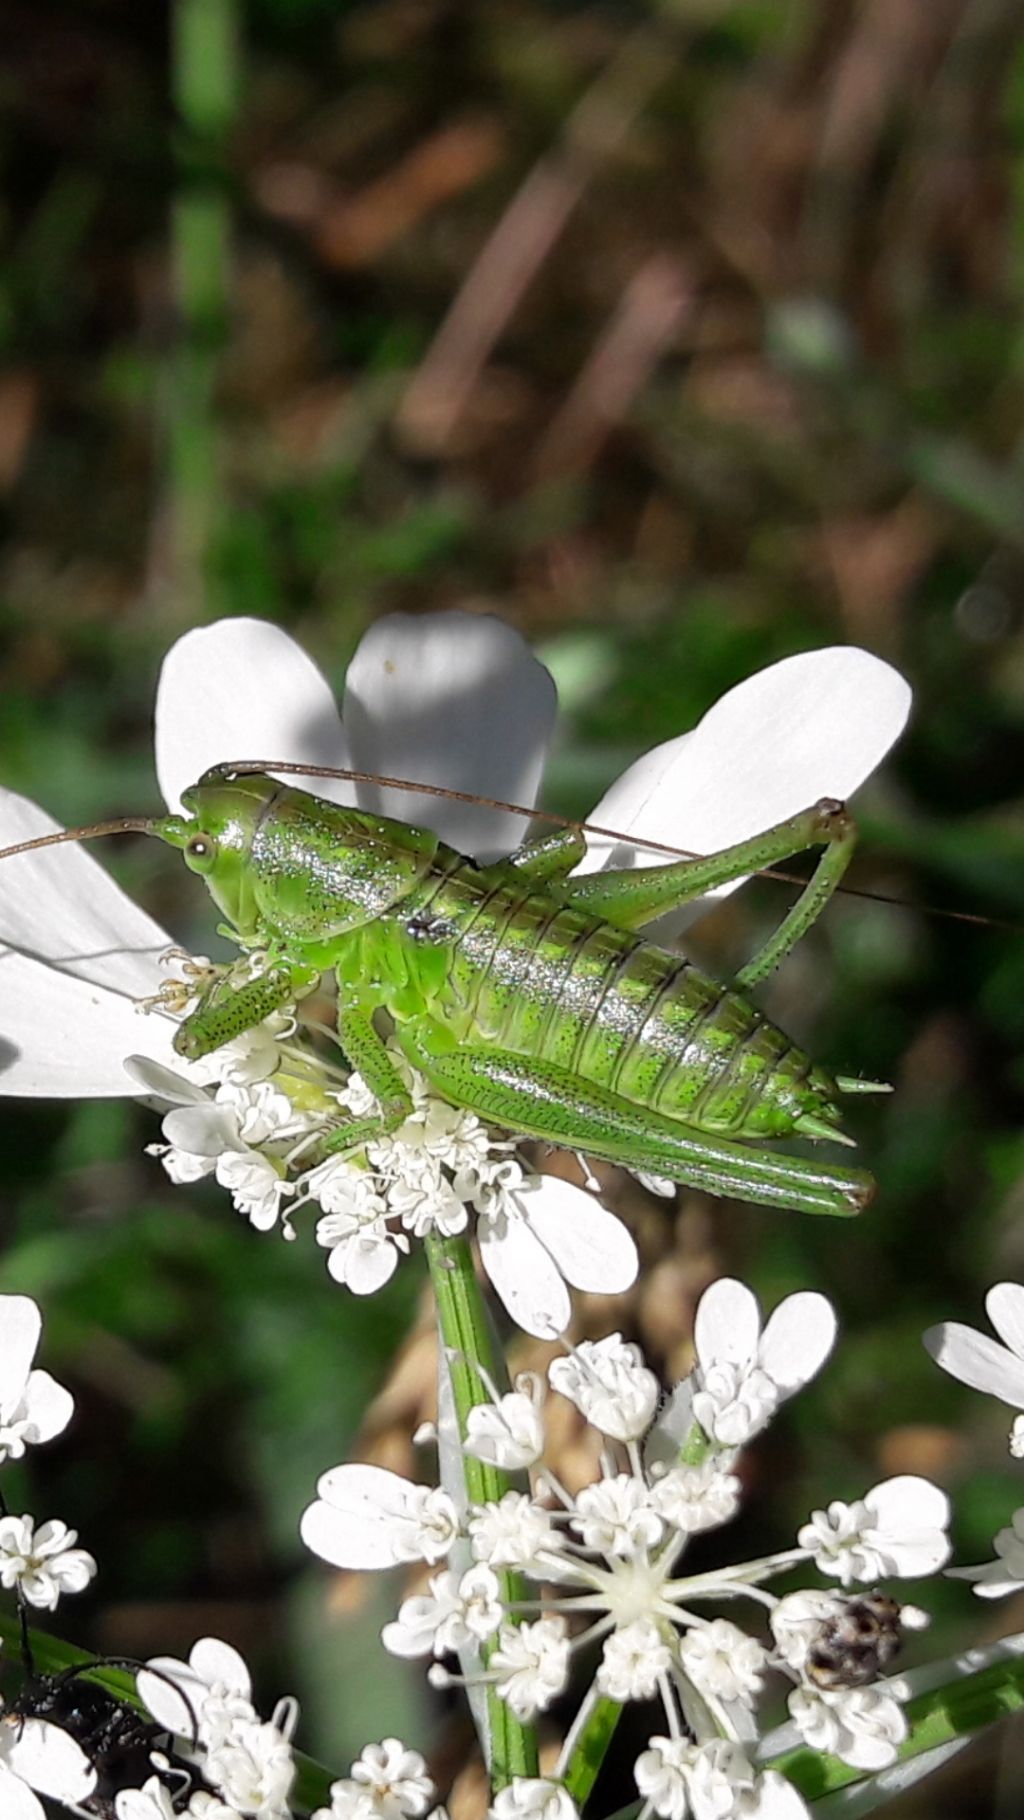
(243, 1766)
(606, 1563)
(38, 1562)
(254, 1112)
(997, 1370)
(245, 1763)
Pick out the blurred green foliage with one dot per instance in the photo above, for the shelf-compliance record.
(736, 369)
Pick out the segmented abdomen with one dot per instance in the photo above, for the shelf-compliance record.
(545, 980)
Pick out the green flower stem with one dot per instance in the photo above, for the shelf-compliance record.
(466, 1333)
(955, 1710)
(590, 1747)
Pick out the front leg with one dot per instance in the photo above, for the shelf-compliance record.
(226, 1010)
(365, 1052)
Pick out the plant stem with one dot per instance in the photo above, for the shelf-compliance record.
(588, 1747)
(466, 1333)
(954, 1710)
(205, 60)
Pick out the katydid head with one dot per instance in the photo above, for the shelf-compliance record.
(215, 838)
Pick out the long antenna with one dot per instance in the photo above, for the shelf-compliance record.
(249, 766)
(125, 824)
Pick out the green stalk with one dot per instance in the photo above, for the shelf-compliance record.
(961, 1706)
(205, 64)
(466, 1333)
(589, 1747)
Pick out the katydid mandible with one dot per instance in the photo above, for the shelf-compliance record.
(520, 992)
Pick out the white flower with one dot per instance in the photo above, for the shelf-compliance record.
(632, 1661)
(712, 1781)
(863, 1725)
(206, 1698)
(510, 1432)
(1006, 1573)
(253, 1768)
(611, 1553)
(255, 1186)
(661, 1776)
(533, 1798)
(33, 1406)
(743, 1374)
(368, 1517)
(387, 1782)
(363, 1252)
(532, 1663)
(615, 1517)
(692, 1498)
(42, 1563)
(538, 1234)
(457, 1611)
(723, 1662)
(897, 1528)
(609, 1384)
(150, 1802)
(981, 1362)
(39, 1758)
(512, 1533)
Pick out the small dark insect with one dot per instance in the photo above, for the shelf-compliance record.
(119, 1741)
(857, 1644)
(424, 928)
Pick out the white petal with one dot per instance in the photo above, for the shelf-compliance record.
(353, 1522)
(592, 1248)
(1004, 1306)
(49, 1760)
(158, 1688)
(242, 688)
(813, 725)
(775, 1798)
(60, 906)
(50, 1407)
(64, 1038)
(908, 1501)
(456, 699)
(17, 1802)
(137, 1804)
(20, 1326)
(169, 1084)
(205, 1130)
(993, 1581)
(798, 1337)
(727, 1323)
(77, 954)
(364, 1264)
(525, 1278)
(216, 1662)
(977, 1360)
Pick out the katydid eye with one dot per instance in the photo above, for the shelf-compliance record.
(201, 850)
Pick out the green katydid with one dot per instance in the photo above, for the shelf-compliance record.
(518, 991)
